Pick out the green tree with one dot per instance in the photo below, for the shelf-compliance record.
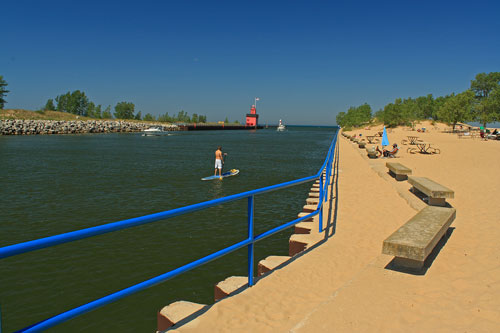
(426, 107)
(3, 92)
(165, 118)
(124, 110)
(364, 113)
(392, 114)
(106, 114)
(183, 117)
(97, 112)
(75, 103)
(149, 117)
(457, 108)
(340, 119)
(194, 118)
(91, 109)
(226, 121)
(202, 118)
(49, 106)
(138, 116)
(484, 87)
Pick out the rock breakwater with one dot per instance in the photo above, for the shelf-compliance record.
(34, 127)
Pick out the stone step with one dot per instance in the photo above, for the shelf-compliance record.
(301, 242)
(229, 286)
(312, 201)
(175, 312)
(309, 208)
(315, 189)
(305, 227)
(270, 263)
(314, 194)
(314, 218)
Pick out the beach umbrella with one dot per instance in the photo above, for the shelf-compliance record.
(385, 140)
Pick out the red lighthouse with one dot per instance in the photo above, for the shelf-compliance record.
(252, 117)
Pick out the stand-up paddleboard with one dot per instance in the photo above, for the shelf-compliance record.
(232, 172)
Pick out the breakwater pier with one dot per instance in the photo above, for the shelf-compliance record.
(36, 127)
(39, 127)
(204, 127)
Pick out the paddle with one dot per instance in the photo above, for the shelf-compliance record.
(224, 160)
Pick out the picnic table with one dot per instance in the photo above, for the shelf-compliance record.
(424, 147)
(412, 140)
(370, 138)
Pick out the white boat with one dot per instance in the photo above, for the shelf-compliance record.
(281, 127)
(154, 131)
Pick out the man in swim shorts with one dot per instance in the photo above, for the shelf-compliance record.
(219, 160)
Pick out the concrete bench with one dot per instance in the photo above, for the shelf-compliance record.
(436, 193)
(415, 240)
(372, 153)
(399, 171)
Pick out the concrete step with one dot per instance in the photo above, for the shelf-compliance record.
(314, 218)
(229, 286)
(270, 263)
(175, 312)
(301, 242)
(309, 208)
(312, 201)
(314, 194)
(302, 228)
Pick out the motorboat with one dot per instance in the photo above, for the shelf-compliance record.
(154, 131)
(281, 127)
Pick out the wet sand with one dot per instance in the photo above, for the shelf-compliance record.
(345, 284)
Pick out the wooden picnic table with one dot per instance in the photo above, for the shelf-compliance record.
(413, 139)
(370, 138)
(424, 148)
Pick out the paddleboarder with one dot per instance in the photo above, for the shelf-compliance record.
(219, 160)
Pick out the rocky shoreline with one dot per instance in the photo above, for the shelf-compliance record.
(35, 127)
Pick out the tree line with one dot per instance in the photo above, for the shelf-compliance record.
(78, 103)
(481, 103)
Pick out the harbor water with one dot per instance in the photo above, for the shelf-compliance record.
(55, 184)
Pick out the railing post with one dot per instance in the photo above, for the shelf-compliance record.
(321, 193)
(251, 237)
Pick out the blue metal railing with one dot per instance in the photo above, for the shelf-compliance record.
(323, 174)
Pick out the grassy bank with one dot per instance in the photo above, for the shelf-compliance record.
(39, 115)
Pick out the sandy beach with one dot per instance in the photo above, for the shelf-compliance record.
(344, 284)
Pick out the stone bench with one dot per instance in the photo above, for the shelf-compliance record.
(415, 240)
(436, 193)
(371, 152)
(361, 144)
(399, 171)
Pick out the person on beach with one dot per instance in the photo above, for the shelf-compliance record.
(389, 153)
(219, 160)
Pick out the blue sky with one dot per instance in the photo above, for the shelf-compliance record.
(305, 60)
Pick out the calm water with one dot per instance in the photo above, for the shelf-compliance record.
(56, 184)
